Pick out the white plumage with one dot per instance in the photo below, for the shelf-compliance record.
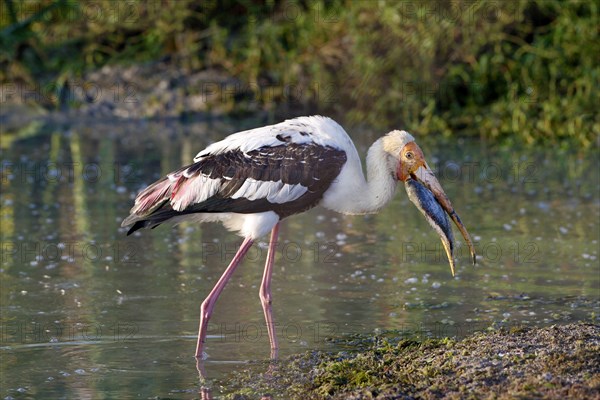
(321, 131)
(274, 192)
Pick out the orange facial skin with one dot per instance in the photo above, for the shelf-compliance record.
(411, 158)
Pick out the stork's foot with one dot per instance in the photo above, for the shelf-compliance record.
(205, 390)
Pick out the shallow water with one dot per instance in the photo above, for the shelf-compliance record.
(88, 312)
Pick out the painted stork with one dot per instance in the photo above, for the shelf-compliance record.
(251, 180)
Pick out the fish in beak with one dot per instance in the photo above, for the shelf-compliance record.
(426, 193)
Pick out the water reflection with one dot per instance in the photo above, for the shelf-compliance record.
(87, 310)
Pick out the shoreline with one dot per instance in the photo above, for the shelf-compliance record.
(554, 362)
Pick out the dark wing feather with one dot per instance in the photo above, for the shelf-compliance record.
(312, 166)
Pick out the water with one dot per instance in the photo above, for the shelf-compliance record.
(88, 312)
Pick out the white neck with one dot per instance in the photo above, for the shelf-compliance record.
(353, 194)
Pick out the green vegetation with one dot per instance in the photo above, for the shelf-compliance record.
(500, 70)
(552, 362)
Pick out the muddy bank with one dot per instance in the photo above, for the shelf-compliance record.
(555, 362)
(146, 91)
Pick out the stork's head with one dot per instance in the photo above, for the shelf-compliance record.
(411, 158)
(424, 190)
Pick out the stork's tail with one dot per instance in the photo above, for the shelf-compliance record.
(148, 210)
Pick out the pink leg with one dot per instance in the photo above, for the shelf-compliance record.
(265, 292)
(208, 304)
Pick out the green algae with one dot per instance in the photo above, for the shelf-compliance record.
(551, 362)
